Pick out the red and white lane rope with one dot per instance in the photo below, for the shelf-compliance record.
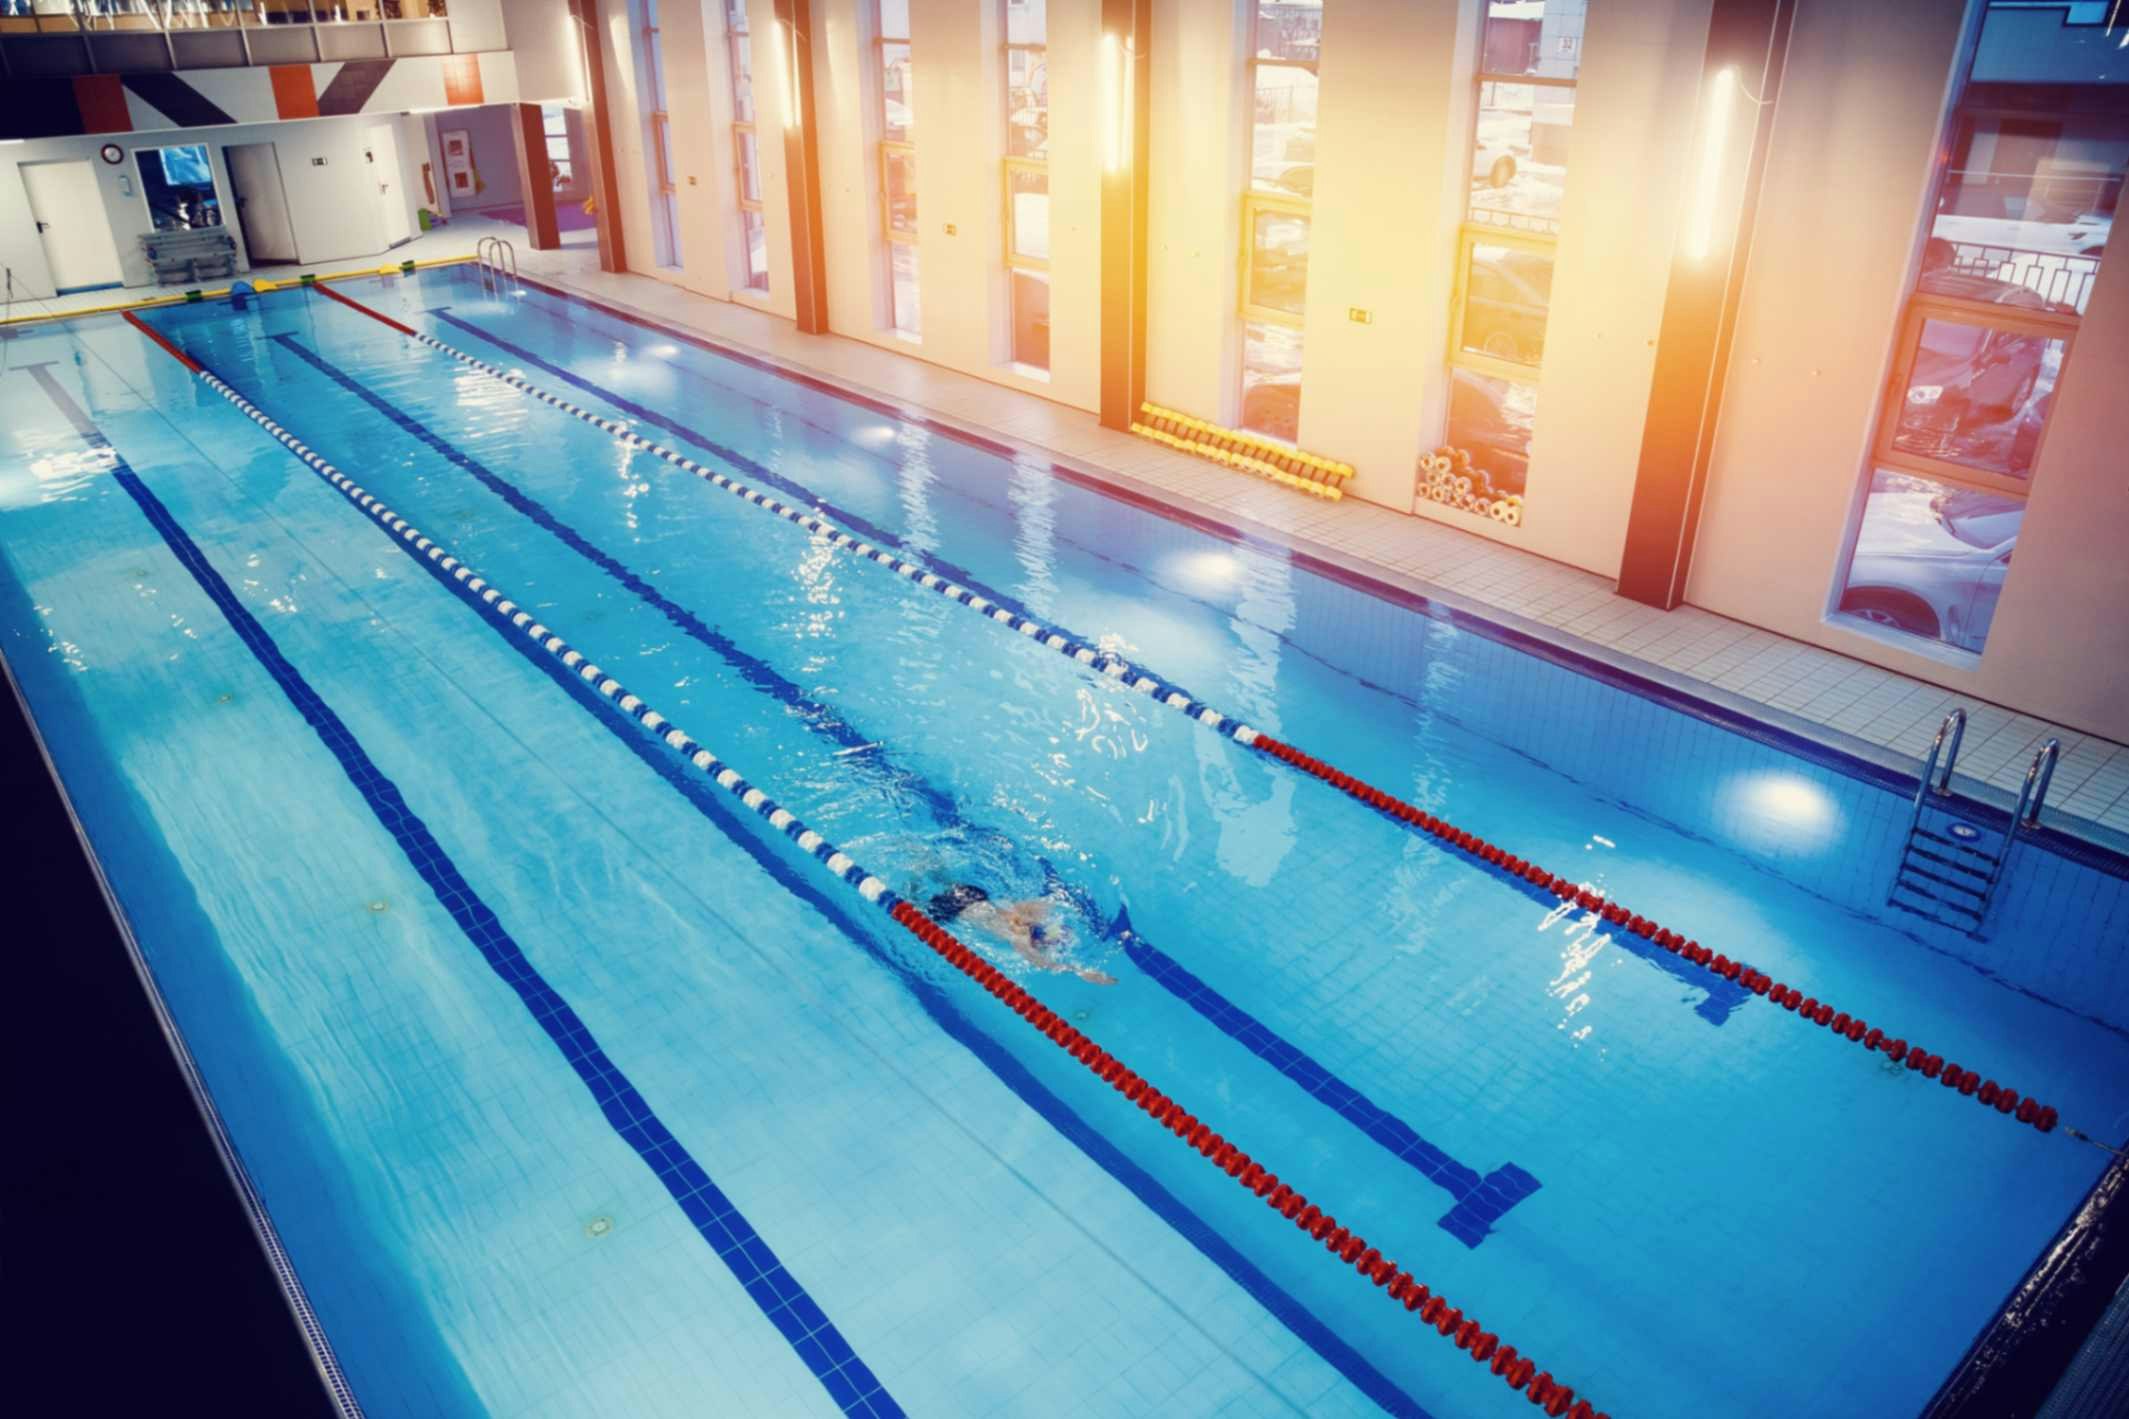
(2006, 1101)
(1340, 1243)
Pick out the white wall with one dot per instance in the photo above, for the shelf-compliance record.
(959, 104)
(550, 64)
(490, 134)
(1846, 185)
(1847, 191)
(333, 208)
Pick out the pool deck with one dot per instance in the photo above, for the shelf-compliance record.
(1854, 706)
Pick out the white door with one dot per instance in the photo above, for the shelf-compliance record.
(69, 213)
(381, 147)
(262, 205)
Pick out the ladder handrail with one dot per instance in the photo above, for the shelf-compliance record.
(2035, 788)
(2026, 815)
(1954, 727)
(489, 254)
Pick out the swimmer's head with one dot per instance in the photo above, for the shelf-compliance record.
(947, 905)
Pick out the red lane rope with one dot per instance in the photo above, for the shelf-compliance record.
(1433, 1309)
(326, 290)
(157, 336)
(2005, 1101)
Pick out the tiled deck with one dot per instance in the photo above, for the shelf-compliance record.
(1855, 706)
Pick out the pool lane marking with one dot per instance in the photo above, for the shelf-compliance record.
(822, 718)
(957, 584)
(782, 1300)
(1478, 1202)
(1713, 970)
(1349, 1249)
(710, 799)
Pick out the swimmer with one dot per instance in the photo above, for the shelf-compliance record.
(1025, 925)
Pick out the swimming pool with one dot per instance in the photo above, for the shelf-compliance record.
(571, 1082)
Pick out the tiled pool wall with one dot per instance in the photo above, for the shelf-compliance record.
(2059, 927)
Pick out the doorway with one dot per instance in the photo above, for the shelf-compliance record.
(381, 148)
(261, 203)
(67, 205)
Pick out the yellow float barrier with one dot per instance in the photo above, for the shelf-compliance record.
(194, 297)
(1244, 452)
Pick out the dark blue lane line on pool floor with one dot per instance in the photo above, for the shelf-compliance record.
(1479, 1202)
(994, 1055)
(821, 718)
(786, 1304)
(1719, 998)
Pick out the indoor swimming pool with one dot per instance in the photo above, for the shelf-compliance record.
(529, 749)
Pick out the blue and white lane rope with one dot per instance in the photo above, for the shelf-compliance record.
(507, 613)
(1115, 667)
(1343, 1246)
(1087, 653)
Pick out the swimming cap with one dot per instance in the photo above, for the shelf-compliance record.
(956, 899)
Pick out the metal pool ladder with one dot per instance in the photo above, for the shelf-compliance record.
(1948, 868)
(497, 259)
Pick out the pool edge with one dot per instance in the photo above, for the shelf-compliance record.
(339, 1391)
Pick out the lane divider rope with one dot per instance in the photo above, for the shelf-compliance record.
(782, 1298)
(1450, 1322)
(2006, 1101)
(1480, 1201)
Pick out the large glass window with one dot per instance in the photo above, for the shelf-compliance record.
(1530, 52)
(746, 148)
(561, 167)
(178, 184)
(1027, 182)
(1285, 38)
(2036, 147)
(897, 164)
(650, 74)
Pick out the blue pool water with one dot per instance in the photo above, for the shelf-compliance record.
(573, 1088)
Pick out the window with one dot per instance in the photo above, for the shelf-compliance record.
(1027, 183)
(1285, 37)
(1524, 108)
(898, 166)
(746, 149)
(2037, 142)
(561, 168)
(650, 73)
(178, 184)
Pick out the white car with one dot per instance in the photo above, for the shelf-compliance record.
(1932, 564)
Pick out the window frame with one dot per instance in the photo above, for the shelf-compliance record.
(738, 37)
(1468, 238)
(1540, 236)
(1014, 257)
(1256, 202)
(905, 146)
(1971, 102)
(1017, 261)
(1923, 307)
(1253, 204)
(894, 234)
